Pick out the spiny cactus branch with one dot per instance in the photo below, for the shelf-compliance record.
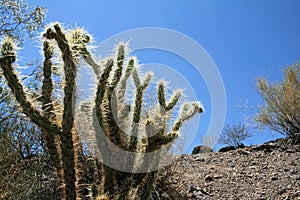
(101, 90)
(188, 110)
(118, 71)
(164, 107)
(138, 104)
(67, 145)
(138, 107)
(47, 87)
(136, 78)
(139, 96)
(161, 95)
(47, 104)
(123, 81)
(112, 100)
(79, 40)
(17, 89)
(124, 109)
(174, 99)
(70, 75)
(87, 56)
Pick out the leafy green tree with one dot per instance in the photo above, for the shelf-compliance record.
(281, 109)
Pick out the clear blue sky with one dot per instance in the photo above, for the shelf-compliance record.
(246, 39)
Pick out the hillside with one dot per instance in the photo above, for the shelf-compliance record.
(267, 171)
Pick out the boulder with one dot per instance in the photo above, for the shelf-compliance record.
(202, 149)
(227, 148)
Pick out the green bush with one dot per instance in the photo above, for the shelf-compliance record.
(281, 109)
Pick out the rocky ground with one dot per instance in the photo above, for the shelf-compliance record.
(268, 171)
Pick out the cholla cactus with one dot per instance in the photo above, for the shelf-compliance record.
(63, 156)
(122, 122)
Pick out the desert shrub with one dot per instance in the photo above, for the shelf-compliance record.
(281, 109)
(233, 134)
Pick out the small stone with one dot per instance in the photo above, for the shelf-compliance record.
(243, 152)
(282, 191)
(218, 176)
(191, 189)
(252, 167)
(200, 159)
(253, 163)
(290, 151)
(208, 178)
(203, 191)
(250, 176)
(190, 195)
(265, 167)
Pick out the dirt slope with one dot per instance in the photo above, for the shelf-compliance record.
(268, 171)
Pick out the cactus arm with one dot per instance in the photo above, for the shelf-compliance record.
(107, 95)
(47, 87)
(133, 142)
(28, 109)
(70, 75)
(161, 95)
(103, 116)
(159, 139)
(136, 78)
(67, 145)
(118, 71)
(123, 81)
(112, 113)
(17, 89)
(104, 108)
(162, 99)
(47, 103)
(124, 109)
(79, 40)
(188, 110)
(103, 80)
(174, 99)
(87, 56)
(138, 107)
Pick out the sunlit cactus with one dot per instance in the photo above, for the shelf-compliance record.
(125, 125)
(123, 121)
